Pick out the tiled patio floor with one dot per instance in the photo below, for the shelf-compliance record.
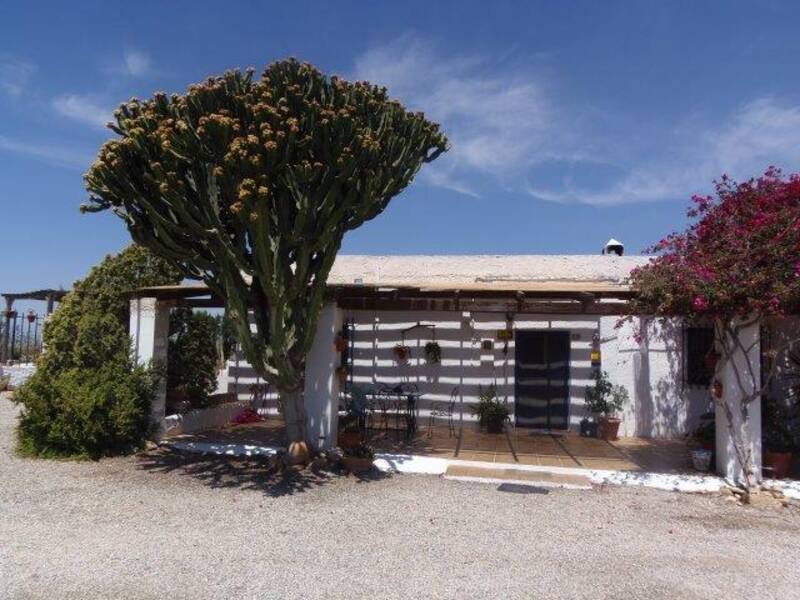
(523, 446)
(520, 446)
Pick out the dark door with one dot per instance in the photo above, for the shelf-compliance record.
(541, 379)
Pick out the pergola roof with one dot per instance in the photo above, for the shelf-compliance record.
(35, 295)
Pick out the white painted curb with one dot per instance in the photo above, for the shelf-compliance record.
(429, 465)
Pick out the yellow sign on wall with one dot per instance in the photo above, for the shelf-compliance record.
(505, 335)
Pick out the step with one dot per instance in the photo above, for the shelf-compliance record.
(501, 475)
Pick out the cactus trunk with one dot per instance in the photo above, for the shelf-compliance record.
(294, 414)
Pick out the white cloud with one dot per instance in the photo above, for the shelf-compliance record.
(82, 108)
(498, 118)
(761, 133)
(508, 126)
(52, 153)
(136, 63)
(15, 74)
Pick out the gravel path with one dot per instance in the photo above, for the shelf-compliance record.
(180, 527)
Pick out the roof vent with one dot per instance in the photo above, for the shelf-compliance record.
(614, 247)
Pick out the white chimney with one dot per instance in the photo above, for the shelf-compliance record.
(614, 247)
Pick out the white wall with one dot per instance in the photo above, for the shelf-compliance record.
(737, 383)
(646, 355)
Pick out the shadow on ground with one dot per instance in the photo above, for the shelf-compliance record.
(266, 475)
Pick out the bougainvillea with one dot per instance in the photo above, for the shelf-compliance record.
(739, 257)
(738, 261)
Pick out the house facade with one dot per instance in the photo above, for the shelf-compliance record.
(532, 327)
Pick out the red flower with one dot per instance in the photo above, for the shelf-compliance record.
(700, 303)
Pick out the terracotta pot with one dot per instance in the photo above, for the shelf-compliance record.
(401, 352)
(608, 428)
(349, 438)
(298, 454)
(357, 464)
(340, 343)
(495, 425)
(779, 463)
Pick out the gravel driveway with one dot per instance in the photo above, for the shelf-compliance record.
(165, 526)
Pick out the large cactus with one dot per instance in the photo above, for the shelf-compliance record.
(250, 186)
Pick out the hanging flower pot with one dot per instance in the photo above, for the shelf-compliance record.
(31, 316)
(433, 353)
(402, 352)
(340, 343)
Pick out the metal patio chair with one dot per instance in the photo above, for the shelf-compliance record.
(385, 404)
(258, 396)
(444, 410)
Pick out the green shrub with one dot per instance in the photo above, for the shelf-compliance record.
(85, 412)
(489, 407)
(193, 356)
(87, 396)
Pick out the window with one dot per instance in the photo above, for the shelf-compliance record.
(699, 342)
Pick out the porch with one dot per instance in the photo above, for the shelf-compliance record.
(514, 446)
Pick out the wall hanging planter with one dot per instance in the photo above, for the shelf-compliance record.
(433, 353)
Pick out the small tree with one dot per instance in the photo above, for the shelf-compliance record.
(194, 355)
(250, 186)
(738, 261)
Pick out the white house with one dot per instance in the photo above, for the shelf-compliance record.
(532, 325)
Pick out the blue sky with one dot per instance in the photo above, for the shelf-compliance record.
(570, 121)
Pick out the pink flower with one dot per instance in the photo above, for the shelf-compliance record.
(700, 303)
(797, 269)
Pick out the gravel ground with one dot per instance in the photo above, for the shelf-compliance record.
(166, 526)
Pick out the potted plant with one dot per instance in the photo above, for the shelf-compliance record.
(433, 353)
(777, 438)
(340, 343)
(350, 424)
(358, 458)
(402, 352)
(605, 400)
(490, 410)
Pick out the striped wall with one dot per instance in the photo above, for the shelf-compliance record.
(660, 405)
(465, 363)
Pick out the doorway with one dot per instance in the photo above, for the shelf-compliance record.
(541, 379)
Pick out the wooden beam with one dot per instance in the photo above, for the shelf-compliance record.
(510, 305)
